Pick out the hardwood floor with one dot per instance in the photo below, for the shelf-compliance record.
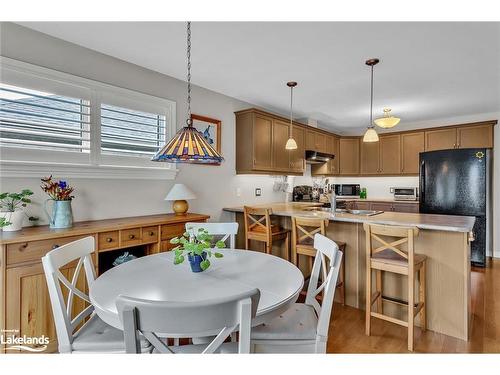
(347, 327)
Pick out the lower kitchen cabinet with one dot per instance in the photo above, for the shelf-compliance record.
(383, 206)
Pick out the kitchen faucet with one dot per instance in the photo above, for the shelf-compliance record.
(332, 199)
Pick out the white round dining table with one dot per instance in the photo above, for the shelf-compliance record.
(156, 278)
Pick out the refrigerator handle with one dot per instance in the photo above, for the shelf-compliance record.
(422, 181)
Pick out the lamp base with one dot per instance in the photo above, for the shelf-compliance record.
(180, 207)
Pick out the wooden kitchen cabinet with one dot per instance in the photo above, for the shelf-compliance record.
(475, 136)
(315, 141)
(440, 139)
(335, 152)
(330, 168)
(390, 154)
(406, 207)
(361, 205)
(381, 206)
(412, 144)
(280, 135)
(349, 156)
(370, 158)
(263, 144)
(297, 157)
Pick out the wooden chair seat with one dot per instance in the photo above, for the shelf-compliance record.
(388, 257)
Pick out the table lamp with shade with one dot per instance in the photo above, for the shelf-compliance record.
(179, 194)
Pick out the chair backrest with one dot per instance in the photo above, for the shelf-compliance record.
(218, 317)
(258, 219)
(391, 238)
(304, 229)
(328, 273)
(227, 230)
(52, 262)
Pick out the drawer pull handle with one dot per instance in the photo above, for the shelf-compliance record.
(109, 239)
(131, 236)
(23, 246)
(151, 233)
(55, 246)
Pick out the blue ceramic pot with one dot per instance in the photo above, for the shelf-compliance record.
(195, 260)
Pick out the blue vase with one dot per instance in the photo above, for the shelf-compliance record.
(62, 215)
(195, 260)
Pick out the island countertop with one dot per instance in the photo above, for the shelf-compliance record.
(449, 223)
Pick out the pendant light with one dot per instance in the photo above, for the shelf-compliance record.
(188, 145)
(388, 121)
(291, 144)
(371, 134)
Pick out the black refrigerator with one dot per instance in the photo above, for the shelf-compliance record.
(458, 182)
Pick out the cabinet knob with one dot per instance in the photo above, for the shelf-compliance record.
(109, 239)
(151, 233)
(23, 246)
(55, 246)
(131, 236)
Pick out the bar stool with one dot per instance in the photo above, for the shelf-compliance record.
(391, 258)
(258, 227)
(303, 231)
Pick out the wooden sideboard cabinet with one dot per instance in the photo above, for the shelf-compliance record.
(25, 303)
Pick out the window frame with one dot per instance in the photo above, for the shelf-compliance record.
(25, 162)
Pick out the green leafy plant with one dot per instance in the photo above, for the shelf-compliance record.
(10, 202)
(193, 243)
(4, 222)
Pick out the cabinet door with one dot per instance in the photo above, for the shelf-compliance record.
(412, 144)
(381, 206)
(406, 207)
(335, 151)
(281, 157)
(262, 145)
(443, 139)
(321, 142)
(311, 140)
(362, 205)
(349, 156)
(477, 136)
(28, 303)
(390, 154)
(297, 156)
(370, 158)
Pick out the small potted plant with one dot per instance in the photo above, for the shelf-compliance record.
(11, 207)
(198, 246)
(61, 195)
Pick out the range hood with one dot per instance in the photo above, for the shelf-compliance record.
(315, 157)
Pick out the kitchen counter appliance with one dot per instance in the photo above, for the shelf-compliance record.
(405, 193)
(347, 190)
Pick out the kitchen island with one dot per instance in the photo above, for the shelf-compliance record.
(444, 239)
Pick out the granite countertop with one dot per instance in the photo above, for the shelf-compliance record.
(449, 223)
(389, 200)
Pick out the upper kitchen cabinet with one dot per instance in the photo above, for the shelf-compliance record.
(330, 168)
(281, 157)
(475, 136)
(390, 154)
(370, 158)
(315, 141)
(349, 156)
(412, 144)
(440, 139)
(297, 157)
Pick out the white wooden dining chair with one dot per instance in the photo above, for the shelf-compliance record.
(215, 317)
(226, 230)
(303, 328)
(94, 336)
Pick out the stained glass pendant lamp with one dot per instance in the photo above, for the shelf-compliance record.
(188, 145)
(371, 134)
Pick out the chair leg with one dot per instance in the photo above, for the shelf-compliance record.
(421, 280)
(294, 255)
(380, 307)
(310, 260)
(269, 247)
(287, 247)
(247, 243)
(368, 304)
(342, 274)
(411, 309)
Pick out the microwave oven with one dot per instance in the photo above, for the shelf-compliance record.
(347, 190)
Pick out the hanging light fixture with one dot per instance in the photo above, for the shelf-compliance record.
(388, 121)
(371, 134)
(291, 144)
(188, 145)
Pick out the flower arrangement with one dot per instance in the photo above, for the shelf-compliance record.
(196, 244)
(57, 190)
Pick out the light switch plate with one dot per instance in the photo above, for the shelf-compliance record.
(258, 192)
(238, 192)
(391, 190)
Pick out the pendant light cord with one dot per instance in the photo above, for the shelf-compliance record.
(189, 122)
(291, 111)
(371, 100)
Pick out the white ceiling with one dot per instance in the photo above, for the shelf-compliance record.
(428, 71)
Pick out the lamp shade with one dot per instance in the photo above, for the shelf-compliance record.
(370, 135)
(291, 144)
(388, 121)
(180, 192)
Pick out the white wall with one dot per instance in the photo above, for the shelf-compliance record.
(107, 198)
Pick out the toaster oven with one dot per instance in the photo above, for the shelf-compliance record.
(405, 193)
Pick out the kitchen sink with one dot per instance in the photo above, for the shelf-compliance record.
(364, 212)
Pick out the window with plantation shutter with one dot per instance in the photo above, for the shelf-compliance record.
(36, 119)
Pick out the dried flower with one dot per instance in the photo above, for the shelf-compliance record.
(57, 190)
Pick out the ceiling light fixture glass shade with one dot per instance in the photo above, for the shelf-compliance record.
(188, 145)
(371, 134)
(291, 144)
(388, 121)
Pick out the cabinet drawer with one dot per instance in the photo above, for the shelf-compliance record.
(150, 234)
(35, 250)
(171, 230)
(166, 246)
(108, 240)
(130, 237)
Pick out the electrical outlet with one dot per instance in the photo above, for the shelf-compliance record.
(391, 190)
(238, 192)
(258, 192)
